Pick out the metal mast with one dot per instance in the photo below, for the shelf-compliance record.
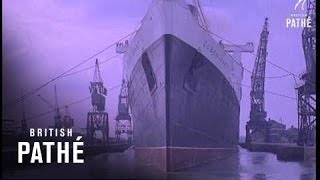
(57, 117)
(307, 91)
(258, 114)
(97, 119)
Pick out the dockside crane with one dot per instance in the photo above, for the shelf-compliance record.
(123, 119)
(256, 126)
(57, 115)
(307, 90)
(97, 118)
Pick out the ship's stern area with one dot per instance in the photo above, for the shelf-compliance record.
(184, 110)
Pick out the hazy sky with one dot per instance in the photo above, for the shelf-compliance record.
(42, 39)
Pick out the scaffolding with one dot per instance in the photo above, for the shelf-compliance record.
(307, 91)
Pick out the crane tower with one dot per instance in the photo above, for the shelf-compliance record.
(97, 118)
(123, 119)
(256, 126)
(60, 121)
(57, 115)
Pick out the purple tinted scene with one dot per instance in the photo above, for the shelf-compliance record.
(55, 43)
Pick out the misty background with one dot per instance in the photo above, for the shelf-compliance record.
(42, 39)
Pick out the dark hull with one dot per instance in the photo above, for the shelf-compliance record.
(184, 109)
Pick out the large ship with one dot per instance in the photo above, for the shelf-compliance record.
(184, 88)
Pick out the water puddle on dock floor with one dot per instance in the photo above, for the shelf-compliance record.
(244, 165)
